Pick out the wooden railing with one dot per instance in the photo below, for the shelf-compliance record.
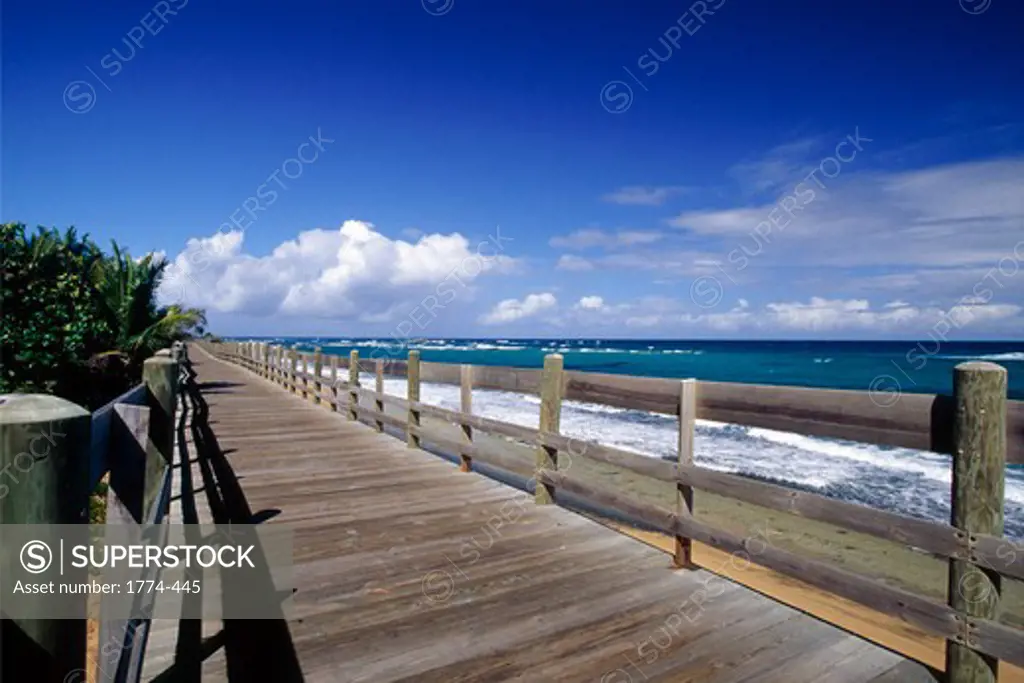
(977, 426)
(70, 451)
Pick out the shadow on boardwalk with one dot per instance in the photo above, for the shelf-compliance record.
(253, 649)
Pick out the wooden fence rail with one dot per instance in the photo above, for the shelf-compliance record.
(130, 441)
(977, 426)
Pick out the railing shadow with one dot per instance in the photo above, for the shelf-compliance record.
(254, 649)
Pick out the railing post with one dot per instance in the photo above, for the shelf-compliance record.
(44, 452)
(265, 360)
(979, 465)
(293, 370)
(161, 378)
(550, 418)
(413, 395)
(334, 383)
(318, 367)
(466, 406)
(353, 384)
(683, 557)
(305, 375)
(378, 404)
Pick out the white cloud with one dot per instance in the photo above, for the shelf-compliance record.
(571, 262)
(591, 303)
(352, 272)
(786, 163)
(652, 320)
(950, 216)
(511, 310)
(816, 315)
(591, 237)
(643, 196)
(839, 314)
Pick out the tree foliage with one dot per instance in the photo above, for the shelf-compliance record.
(77, 322)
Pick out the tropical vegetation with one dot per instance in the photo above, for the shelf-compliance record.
(78, 322)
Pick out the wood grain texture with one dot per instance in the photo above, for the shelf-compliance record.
(922, 421)
(378, 400)
(683, 555)
(318, 382)
(413, 396)
(47, 488)
(353, 383)
(550, 419)
(408, 572)
(466, 408)
(979, 460)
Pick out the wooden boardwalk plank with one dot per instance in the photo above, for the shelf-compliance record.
(407, 570)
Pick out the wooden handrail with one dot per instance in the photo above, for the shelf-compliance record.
(131, 439)
(920, 421)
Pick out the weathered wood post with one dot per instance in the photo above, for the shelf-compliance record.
(44, 475)
(683, 557)
(378, 404)
(293, 370)
(334, 383)
(353, 384)
(979, 464)
(305, 375)
(466, 406)
(318, 367)
(550, 419)
(160, 376)
(265, 360)
(413, 395)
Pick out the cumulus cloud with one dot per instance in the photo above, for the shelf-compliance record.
(352, 272)
(591, 303)
(644, 196)
(511, 310)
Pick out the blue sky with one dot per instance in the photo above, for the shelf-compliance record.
(726, 168)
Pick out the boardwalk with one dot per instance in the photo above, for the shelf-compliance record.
(407, 570)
